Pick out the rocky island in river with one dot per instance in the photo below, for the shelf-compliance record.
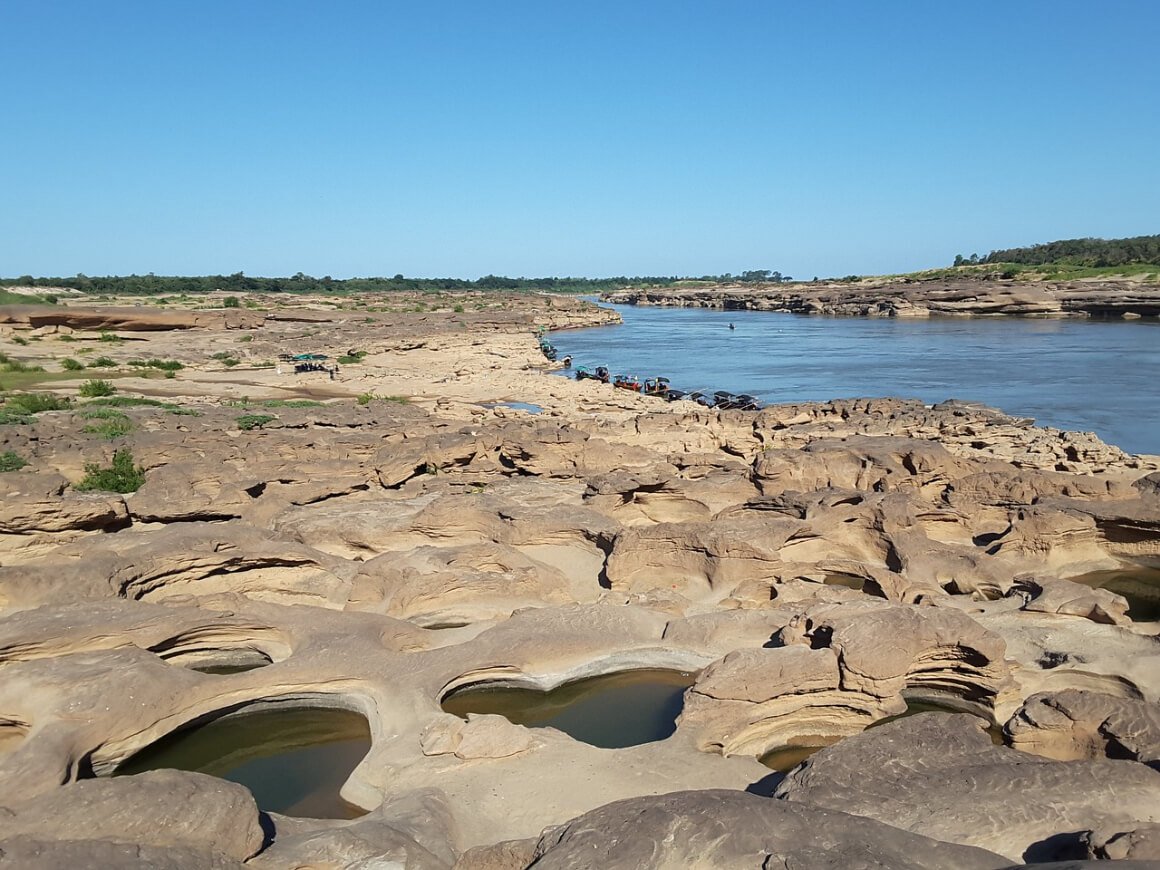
(900, 608)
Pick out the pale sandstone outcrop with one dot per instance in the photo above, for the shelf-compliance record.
(31, 502)
(1138, 845)
(165, 808)
(413, 830)
(988, 294)
(1077, 725)
(940, 775)
(820, 563)
(25, 853)
(736, 830)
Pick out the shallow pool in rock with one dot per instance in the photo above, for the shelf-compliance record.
(786, 758)
(1139, 586)
(611, 711)
(293, 760)
(517, 406)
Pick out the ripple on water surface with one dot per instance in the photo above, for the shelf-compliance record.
(611, 711)
(294, 761)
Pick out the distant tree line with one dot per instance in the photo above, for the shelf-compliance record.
(753, 276)
(1076, 252)
(238, 282)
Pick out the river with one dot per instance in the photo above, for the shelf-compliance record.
(1098, 376)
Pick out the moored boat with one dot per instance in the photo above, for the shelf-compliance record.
(655, 387)
(627, 382)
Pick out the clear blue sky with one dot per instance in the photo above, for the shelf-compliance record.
(586, 138)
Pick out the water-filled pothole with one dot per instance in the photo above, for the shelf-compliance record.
(850, 581)
(1139, 586)
(611, 711)
(926, 705)
(294, 760)
(786, 758)
(518, 406)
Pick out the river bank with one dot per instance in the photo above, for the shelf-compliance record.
(878, 297)
(380, 541)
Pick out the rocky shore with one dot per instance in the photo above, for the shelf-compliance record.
(443, 514)
(877, 297)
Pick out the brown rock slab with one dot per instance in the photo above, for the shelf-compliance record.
(940, 775)
(725, 829)
(163, 808)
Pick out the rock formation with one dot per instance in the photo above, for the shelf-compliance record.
(378, 541)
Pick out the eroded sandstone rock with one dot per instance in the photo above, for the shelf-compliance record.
(737, 830)
(940, 775)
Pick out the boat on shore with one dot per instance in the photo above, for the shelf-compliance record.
(627, 382)
(600, 373)
(659, 387)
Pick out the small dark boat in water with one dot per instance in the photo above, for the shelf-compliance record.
(656, 387)
(746, 402)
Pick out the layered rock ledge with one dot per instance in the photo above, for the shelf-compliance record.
(916, 298)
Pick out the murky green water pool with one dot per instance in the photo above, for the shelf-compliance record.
(294, 760)
(611, 711)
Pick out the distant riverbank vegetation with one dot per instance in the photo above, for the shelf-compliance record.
(1073, 258)
(161, 285)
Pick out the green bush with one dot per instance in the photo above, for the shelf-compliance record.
(121, 476)
(93, 389)
(367, 398)
(226, 359)
(34, 403)
(65, 337)
(8, 364)
(14, 416)
(10, 461)
(113, 424)
(125, 402)
(254, 421)
(231, 302)
(72, 365)
(20, 340)
(103, 362)
(102, 412)
(246, 338)
(291, 403)
(108, 336)
(163, 364)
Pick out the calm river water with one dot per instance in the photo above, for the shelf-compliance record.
(1100, 376)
